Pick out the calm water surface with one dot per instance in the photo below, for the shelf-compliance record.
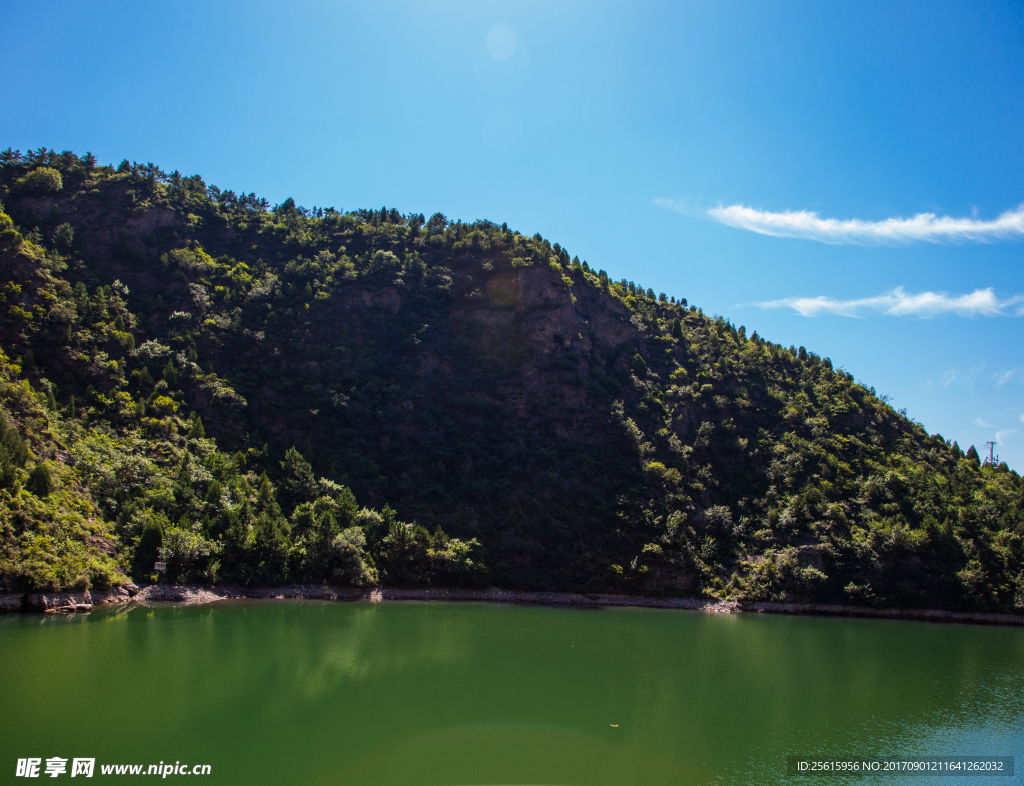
(439, 694)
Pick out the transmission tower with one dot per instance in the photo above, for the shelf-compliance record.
(992, 458)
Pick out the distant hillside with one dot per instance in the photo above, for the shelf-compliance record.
(188, 373)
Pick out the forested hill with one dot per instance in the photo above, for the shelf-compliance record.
(266, 395)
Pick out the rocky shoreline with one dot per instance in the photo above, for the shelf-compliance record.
(68, 601)
(192, 595)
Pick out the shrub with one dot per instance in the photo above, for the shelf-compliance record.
(191, 259)
(40, 481)
(38, 182)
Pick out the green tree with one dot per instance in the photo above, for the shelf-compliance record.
(64, 237)
(384, 266)
(185, 551)
(452, 562)
(147, 551)
(170, 374)
(348, 559)
(40, 481)
(298, 484)
(403, 554)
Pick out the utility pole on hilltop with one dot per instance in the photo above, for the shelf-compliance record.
(992, 459)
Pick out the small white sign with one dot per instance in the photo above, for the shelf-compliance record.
(160, 566)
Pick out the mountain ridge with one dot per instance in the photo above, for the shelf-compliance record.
(556, 430)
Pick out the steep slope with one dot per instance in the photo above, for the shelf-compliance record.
(551, 428)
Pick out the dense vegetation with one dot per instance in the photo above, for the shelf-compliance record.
(192, 375)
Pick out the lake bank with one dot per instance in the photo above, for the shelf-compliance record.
(190, 595)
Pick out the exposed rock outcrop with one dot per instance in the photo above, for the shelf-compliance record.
(75, 601)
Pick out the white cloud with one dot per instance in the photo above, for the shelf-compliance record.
(1004, 433)
(980, 302)
(809, 225)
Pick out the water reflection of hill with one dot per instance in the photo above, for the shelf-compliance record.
(434, 693)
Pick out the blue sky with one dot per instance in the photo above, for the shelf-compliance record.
(844, 176)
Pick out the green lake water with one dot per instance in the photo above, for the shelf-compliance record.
(439, 694)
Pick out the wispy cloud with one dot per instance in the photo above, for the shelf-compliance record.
(970, 376)
(687, 207)
(962, 378)
(807, 224)
(1004, 433)
(980, 302)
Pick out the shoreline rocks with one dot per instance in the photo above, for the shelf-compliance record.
(77, 601)
(194, 595)
(197, 595)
